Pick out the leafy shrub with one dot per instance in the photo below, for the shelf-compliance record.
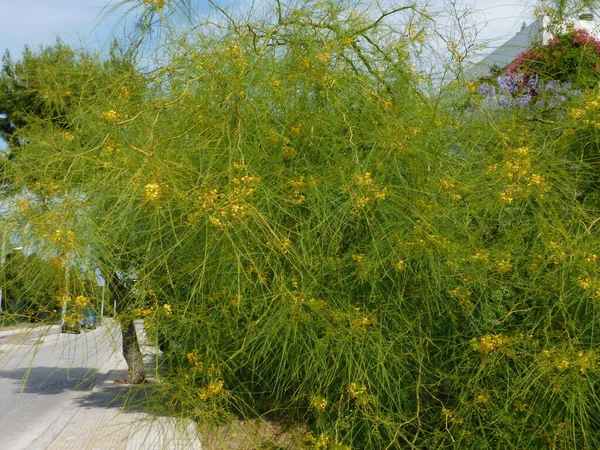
(314, 239)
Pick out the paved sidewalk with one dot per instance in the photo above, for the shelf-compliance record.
(102, 421)
(27, 331)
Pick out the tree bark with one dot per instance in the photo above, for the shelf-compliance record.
(131, 352)
(131, 348)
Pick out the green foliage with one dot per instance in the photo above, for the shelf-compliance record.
(30, 286)
(314, 239)
(569, 57)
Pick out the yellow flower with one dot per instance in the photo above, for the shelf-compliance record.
(460, 293)
(482, 400)
(504, 266)
(215, 221)
(505, 197)
(153, 191)
(347, 42)
(357, 258)
(381, 194)
(563, 365)
(158, 3)
(356, 390)
(584, 283)
(111, 115)
(324, 57)
(319, 403)
(400, 266)
(212, 389)
(167, 308)
(296, 129)
(489, 343)
(69, 137)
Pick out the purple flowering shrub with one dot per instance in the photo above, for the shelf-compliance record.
(546, 76)
(516, 90)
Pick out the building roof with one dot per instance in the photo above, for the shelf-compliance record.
(507, 52)
(537, 31)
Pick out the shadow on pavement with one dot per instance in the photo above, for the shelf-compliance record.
(127, 397)
(51, 380)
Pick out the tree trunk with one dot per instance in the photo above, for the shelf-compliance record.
(131, 348)
(131, 352)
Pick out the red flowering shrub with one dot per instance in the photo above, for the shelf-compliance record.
(571, 57)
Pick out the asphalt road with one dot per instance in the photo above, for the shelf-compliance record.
(42, 372)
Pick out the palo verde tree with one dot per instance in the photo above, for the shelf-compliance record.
(44, 92)
(314, 239)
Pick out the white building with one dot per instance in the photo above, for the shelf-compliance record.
(540, 30)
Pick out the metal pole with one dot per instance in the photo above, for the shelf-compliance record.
(102, 304)
(2, 263)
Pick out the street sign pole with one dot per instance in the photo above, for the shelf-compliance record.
(2, 263)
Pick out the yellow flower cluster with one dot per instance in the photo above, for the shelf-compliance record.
(367, 191)
(324, 57)
(296, 186)
(490, 342)
(481, 256)
(125, 93)
(194, 358)
(323, 442)
(281, 245)
(360, 324)
(460, 293)
(211, 390)
(400, 266)
(153, 191)
(144, 312)
(357, 258)
(429, 242)
(504, 266)
(231, 205)
(167, 309)
(295, 129)
(395, 145)
(481, 400)
(463, 295)
(73, 318)
(449, 186)
(112, 116)
(523, 181)
(65, 238)
(588, 114)
(449, 416)
(111, 147)
(591, 285)
(156, 3)
(82, 301)
(69, 137)
(287, 150)
(561, 360)
(207, 199)
(47, 190)
(558, 255)
(356, 390)
(319, 403)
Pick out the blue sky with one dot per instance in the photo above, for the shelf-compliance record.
(78, 22)
(33, 22)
